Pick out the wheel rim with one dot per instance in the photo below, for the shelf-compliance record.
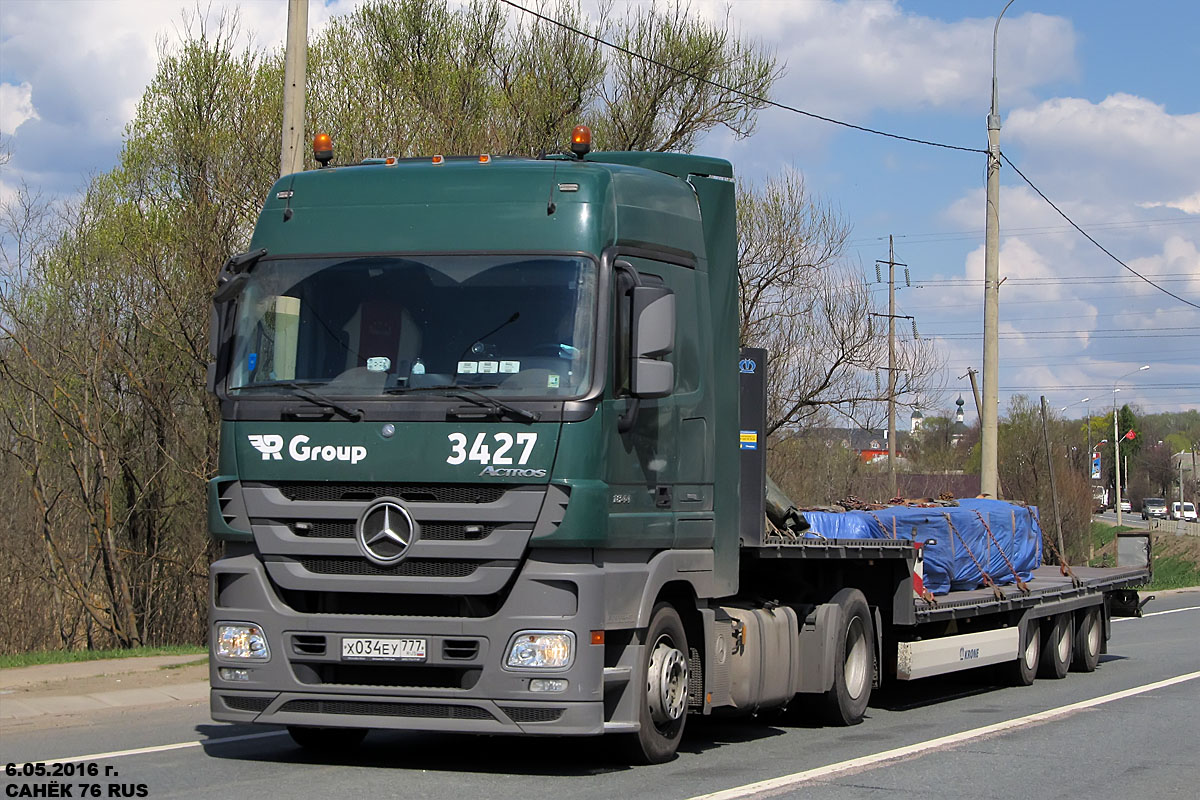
(1063, 645)
(1031, 649)
(667, 682)
(857, 654)
(1093, 635)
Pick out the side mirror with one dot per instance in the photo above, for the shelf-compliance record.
(653, 336)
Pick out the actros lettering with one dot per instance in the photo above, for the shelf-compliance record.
(509, 472)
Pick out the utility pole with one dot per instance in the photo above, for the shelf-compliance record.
(891, 368)
(989, 471)
(295, 66)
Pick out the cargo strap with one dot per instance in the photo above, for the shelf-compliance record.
(1024, 587)
(987, 579)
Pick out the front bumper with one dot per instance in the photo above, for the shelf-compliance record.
(462, 686)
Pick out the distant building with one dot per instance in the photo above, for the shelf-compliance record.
(916, 421)
(959, 429)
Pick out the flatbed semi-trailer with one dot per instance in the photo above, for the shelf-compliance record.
(491, 461)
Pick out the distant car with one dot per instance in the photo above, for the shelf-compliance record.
(1154, 507)
(1188, 512)
(1126, 506)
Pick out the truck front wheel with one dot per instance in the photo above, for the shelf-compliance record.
(664, 701)
(853, 661)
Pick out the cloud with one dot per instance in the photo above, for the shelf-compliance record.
(16, 106)
(84, 66)
(1188, 205)
(857, 57)
(1125, 149)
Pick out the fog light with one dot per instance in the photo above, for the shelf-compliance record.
(547, 685)
(240, 640)
(230, 674)
(541, 650)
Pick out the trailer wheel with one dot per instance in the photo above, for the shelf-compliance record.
(663, 708)
(1088, 632)
(1058, 638)
(326, 739)
(1024, 670)
(853, 663)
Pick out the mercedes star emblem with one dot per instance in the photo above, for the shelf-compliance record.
(385, 532)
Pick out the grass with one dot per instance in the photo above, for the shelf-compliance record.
(67, 656)
(1175, 559)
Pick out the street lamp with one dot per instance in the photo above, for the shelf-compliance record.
(989, 471)
(1117, 436)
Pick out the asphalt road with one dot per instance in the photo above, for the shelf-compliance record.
(1128, 730)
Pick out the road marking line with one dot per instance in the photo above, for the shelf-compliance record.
(829, 770)
(159, 748)
(1156, 613)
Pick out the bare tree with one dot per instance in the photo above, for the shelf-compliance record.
(812, 309)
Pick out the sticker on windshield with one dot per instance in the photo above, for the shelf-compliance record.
(468, 367)
(488, 367)
(552, 382)
(378, 364)
(251, 362)
(510, 366)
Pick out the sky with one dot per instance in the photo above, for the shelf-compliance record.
(1099, 110)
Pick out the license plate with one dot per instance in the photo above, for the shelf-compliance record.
(371, 649)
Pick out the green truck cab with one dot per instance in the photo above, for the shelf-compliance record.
(469, 453)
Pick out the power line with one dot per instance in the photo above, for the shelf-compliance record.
(762, 100)
(1044, 230)
(1088, 236)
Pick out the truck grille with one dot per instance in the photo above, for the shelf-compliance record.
(413, 493)
(520, 714)
(390, 675)
(411, 568)
(431, 531)
(377, 709)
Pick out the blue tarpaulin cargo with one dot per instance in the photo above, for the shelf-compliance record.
(960, 542)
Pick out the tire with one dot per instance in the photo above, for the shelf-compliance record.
(663, 705)
(1058, 644)
(326, 740)
(1024, 670)
(853, 662)
(1089, 633)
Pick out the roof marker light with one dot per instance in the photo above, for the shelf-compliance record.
(439, 159)
(391, 161)
(323, 149)
(581, 141)
(485, 159)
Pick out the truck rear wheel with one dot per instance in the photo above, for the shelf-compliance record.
(1088, 632)
(663, 703)
(853, 662)
(1024, 670)
(326, 739)
(1058, 639)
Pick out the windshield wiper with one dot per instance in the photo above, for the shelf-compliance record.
(493, 405)
(300, 389)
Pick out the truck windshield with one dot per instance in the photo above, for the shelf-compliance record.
(382, 325)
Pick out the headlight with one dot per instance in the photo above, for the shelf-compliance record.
(242, 640)
(541, 650)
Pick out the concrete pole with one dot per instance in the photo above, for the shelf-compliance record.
(891, 367)
(295, 66)
(989, 420)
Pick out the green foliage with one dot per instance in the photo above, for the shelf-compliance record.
(1174, 572)
(39, 657)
